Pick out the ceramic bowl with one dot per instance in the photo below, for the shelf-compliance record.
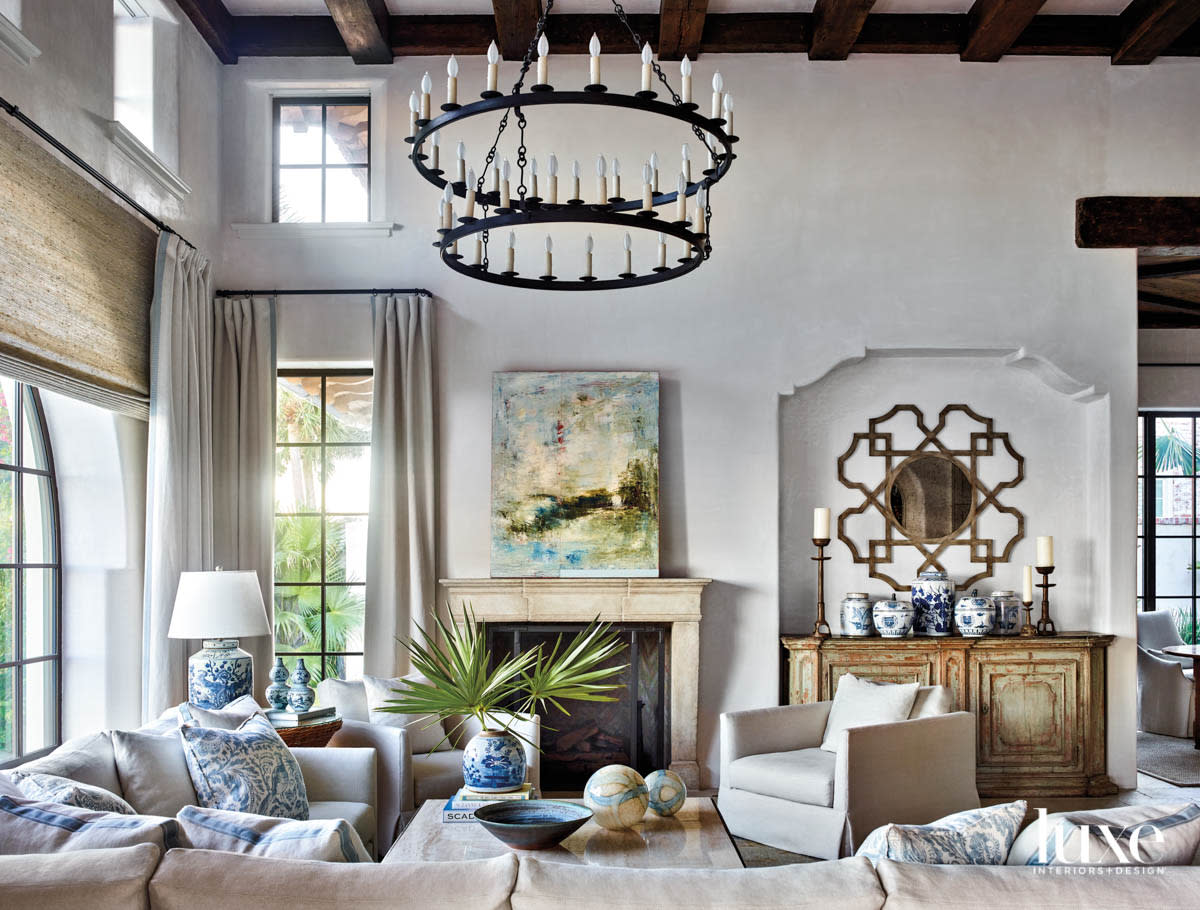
(532, 824)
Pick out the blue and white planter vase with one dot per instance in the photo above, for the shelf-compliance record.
(975, 615)
(856, 616)
(1008, 612)
(893, 618)
(931, 599)
(218, 673)
(494, 762)
(301, 695)
(277, 692)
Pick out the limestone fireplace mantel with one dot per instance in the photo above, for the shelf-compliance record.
(627, 600)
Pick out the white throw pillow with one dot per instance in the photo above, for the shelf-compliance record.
(50, 788)
(153, 771)
(1168, 834)
(861, 703)
(31, 826)
(232, 716)
(425, 734)
(332, 840)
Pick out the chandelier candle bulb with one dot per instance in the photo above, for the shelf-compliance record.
(552, 168)
(1045, 552)
(493, 70)
(647, 191)
(681, 199)
(495, 177)
(727, 107)
(575, 180)
(662, 251)
(647, 68)
(543, 64)
(452, 80)
(701, 205)
(478, 250)
(594, 63)
(470, 200)
(628, 255)
(448, 207)
(601, 181)
(426, 92)
(460, 153)
(1027, 586)
(533, 175)
(505, 197)
(549, 256)
(435, 148)
(616, 172)
(654, 169)
(687, 162)
(414, 108)
(511, 255)
(821, 523)
(718, 88)
(685, 74)
(588, 244)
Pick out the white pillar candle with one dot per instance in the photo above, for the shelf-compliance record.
(511, 256)
(718, 88)
(654, 170)
(647, 69)
(587, 250)
(701, 205)
(727, 106)
(495, 177)
(628, 255)
(543, 64)
(414, 108)
(601, 181)
(493, 70)
(1027, 585)
(549, 256)
(426, 90)
(662, 251)
(685, 74)
(686, 155)
(552, 167)
(505, 198)
(452, 80)
(616, 172)
(1045, 552)
(575, 180)
(478, 250)
(448, 207)
(533, 192)
(647, 189)
(460, 167)
(435, 149)
(712, 162)
(821, 523)
(470, 200)
(681, 199)
(594, 62)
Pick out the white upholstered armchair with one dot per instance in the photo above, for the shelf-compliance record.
(1166, 693)
(778, 787)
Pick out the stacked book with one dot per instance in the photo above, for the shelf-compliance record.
(462, 805)
(286, 718)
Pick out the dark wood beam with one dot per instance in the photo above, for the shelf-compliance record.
(1169, 303)
(1149, 27)
(680, 28)
(1166, 319)
(835, 27)
(364, 27)
(915, 33)
(215, 25)
(287, 36)
(423, 36)
(757, 33)
(1182, 267)
(1111, 222)
(516, 21)
(994, 25)
(1068, 36)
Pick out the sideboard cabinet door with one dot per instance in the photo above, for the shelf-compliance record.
(1027, 711)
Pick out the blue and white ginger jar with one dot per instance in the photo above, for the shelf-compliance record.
(931, 599)
(219, 673)
(856, 615)
(893, 618)
(975, 615)
(1008, 612)
(494, 762)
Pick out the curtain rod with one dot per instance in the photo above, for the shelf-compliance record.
(304, 292)
(14, 111)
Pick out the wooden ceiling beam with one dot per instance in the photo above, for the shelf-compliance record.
(215, 25)
(680, 28)
(287, 36)
(993, 26)
(516, 21)
(1181, 268)
(1149, 27)
(364, 28)
(836, 25)
(1169, 303)
(1113, 222)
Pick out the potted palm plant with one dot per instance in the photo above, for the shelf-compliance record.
(463, 679)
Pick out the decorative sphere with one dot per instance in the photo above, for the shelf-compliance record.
(617, 796)
(666, 792)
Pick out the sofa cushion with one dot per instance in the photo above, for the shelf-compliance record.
(154, 773)
(29, 826)
(332, 840)
(802, 776)
(1059, 839)
(49, 788)
(974, 837)
(348, 696)
(425, 734)
(849, 884)
(249, 769)
(230, 717)
(208, 880)
(107, 879)
(862, 703)
(931, 701)
(437, 775)
(917, 887)
(87, 759)
(360, 816)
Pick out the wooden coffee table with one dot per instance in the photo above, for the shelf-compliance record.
(1192, 651)
(694, 838)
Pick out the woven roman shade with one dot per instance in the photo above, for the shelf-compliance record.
(76, 281)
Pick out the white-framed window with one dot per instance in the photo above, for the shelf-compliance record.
(146, 75)
(322, 159)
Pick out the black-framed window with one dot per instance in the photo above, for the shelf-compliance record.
(1167, 540)
(322, 488)
(30, 580)
(322, 159)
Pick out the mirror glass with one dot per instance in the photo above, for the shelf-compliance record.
(930, 497)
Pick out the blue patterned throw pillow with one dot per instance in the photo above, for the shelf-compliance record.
(50, 788)
(249, 769)
(977, 837)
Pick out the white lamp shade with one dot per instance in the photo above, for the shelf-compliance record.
(218, 605)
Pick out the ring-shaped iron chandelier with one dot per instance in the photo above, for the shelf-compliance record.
(500, 209)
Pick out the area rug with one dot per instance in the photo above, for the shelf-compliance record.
(1169, 758)
(757, 856)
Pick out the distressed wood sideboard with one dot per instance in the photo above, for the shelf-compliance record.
(1039, 703)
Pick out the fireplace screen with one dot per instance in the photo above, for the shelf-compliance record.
(629, 731)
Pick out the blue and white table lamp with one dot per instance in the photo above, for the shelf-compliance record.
(219, 608)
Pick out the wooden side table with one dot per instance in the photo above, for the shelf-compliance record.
(1192, 651)
(312, 736)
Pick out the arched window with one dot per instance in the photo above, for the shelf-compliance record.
(30, 580)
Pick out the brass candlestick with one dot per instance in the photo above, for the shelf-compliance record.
(1045, 625)
(820, 559)
(1029, 629)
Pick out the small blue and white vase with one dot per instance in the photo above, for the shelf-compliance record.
(893, 618)
(975, 615)
(300, 693)
(218, 673)
(856, 615)
(493, 762)
(277, 692)
(1008, 612)
(932, 606)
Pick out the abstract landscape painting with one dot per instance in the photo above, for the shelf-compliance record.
(574, 474)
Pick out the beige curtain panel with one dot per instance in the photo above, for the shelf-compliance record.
(76, 281)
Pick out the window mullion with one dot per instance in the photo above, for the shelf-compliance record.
(18, 645)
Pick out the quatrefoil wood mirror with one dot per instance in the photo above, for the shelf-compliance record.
(931, 493)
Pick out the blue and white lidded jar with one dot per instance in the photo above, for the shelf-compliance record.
(975, 615)
(1008, 612)
(856, 615)
(893, 618)
(931, 599)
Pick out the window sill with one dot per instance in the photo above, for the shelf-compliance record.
(150, 164)
(13, 40)
(291, 230)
